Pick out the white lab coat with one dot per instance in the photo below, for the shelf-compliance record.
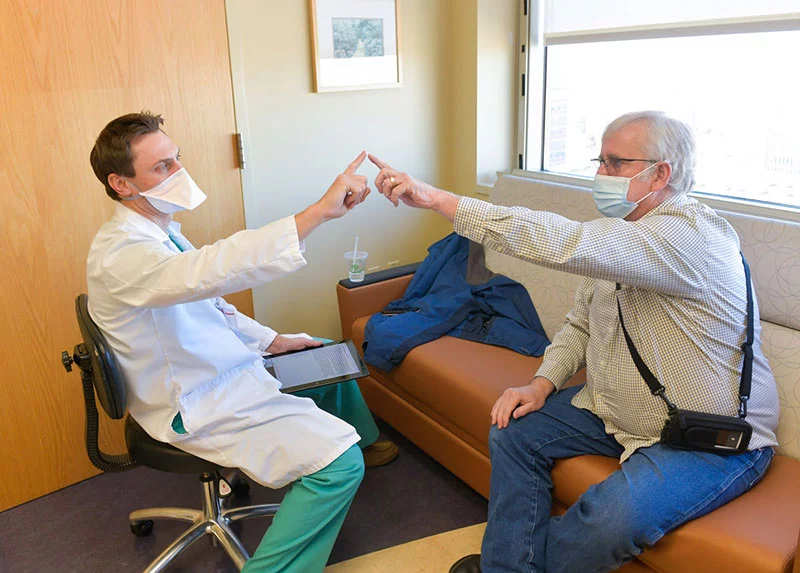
(184, 349)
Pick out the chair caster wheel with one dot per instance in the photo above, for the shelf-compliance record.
(142, 528)
(240, 487)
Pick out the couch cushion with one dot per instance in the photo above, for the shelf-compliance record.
(772, 249)
(782, 347)
(454, 382)
(458, 380)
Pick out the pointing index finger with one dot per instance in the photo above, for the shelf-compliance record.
(353, 167)
(378, 162)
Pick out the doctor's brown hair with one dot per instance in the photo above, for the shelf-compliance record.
(112, 149)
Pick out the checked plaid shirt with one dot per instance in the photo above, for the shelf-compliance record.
(683, 298)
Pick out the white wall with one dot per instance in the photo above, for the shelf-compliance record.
(460, 113)
(482, 92)
(297, 140)
(497, 86)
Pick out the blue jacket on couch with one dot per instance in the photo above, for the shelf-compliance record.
(439, 300)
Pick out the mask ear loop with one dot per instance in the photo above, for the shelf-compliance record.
(645, 170)
(640, 173)
(138, 193)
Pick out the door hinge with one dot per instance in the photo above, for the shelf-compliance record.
(239, 145)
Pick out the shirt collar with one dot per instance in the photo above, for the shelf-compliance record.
(674, 201)
(144, 224)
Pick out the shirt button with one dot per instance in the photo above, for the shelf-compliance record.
(603, 363)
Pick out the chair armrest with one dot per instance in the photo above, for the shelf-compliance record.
(372, 295)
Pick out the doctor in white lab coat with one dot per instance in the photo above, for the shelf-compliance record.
(193, 362)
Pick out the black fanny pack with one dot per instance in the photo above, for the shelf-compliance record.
(700, 431)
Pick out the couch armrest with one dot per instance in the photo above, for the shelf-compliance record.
(372, 295)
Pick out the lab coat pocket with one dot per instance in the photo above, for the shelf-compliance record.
(231, 403)
(228, 311)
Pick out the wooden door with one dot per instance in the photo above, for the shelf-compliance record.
(67, 67)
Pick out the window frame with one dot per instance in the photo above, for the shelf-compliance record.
(533, 76)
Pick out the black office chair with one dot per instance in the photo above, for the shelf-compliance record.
(100, 373)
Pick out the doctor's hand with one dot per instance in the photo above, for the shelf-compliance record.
(397, 186)
(519, 401)
(346, 191)
(285, 344)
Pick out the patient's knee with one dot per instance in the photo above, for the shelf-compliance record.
(512, 437)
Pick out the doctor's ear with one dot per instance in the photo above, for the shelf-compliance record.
(120, 185)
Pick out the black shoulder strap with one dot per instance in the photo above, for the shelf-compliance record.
(657, 389)
(747, 346)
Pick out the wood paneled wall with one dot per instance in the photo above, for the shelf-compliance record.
(67, 67)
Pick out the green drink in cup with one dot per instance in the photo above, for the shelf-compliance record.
(356, 265)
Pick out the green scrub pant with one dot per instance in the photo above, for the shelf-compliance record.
(302, 533)
(344, 400)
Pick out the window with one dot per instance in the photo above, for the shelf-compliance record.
(731, 79)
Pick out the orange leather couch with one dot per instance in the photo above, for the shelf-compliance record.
(440, 397)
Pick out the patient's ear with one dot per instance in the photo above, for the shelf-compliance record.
(663, 175)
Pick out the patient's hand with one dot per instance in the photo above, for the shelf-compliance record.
(397, 186)
(519, 401)
(285, 344)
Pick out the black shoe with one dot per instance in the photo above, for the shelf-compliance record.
(468, 564)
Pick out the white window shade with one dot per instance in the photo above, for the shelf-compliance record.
(570, 21)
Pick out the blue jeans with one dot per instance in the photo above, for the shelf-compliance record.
(655, 490)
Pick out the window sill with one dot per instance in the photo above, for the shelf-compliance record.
(717, 203)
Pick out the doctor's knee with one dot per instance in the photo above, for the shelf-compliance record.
(349, 467)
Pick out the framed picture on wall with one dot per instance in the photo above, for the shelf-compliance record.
(355, 44)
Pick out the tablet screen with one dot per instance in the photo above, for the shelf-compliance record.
(311, 367)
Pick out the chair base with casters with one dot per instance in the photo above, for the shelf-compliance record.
(101, 374)
(213, 519)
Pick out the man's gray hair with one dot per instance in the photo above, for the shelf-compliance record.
(669, 140)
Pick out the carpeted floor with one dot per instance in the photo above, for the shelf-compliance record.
(84, 528)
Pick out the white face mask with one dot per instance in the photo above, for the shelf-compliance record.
(178, 192)
(611, 194)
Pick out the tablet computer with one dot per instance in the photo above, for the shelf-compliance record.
(330, 363)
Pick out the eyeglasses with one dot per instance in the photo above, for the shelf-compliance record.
(614, 163)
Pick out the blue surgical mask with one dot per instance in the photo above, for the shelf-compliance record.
(611, 194)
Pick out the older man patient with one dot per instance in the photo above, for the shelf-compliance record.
(674, 268)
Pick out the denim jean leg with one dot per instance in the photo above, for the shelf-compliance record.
(656, 490)
(522, 456)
